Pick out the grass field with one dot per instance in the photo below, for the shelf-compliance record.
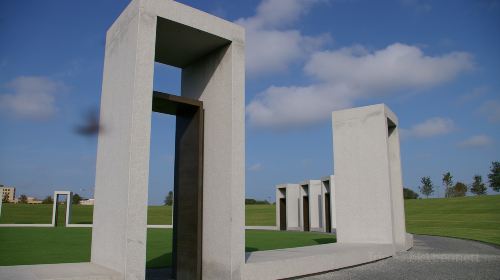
(64, 245)
(256, 215)
(476, 218)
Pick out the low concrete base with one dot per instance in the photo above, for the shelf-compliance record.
(73, 271)
(408, 243)
(26, 225)
(262, 227)
(294, 228)
(293, 262)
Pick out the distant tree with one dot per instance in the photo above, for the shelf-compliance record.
(478, 187)
(169, 200)
(494, 176)
(48, 200)
(426, 188)
(250, 201)
(23, 199)
(409, 194)
(5, 198)
(458, 190)
(76, 199)
(447, 183)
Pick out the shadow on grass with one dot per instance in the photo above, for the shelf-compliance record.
(162, 261)
(326, 240)
(251, 249)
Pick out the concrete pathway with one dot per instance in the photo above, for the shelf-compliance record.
(430, 258)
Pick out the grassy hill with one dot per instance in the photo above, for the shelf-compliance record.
(476, 218)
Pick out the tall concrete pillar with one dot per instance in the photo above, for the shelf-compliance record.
(210, 52)
(290, 194)
(368, 184)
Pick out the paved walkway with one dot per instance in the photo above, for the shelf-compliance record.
(430, 258)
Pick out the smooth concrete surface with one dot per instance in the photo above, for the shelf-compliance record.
(69, 201)
(262, 227)
(26, 225)
(312, 189)
(214, 74)
(328, 186)
(291, 193)
(369, 200)
(285, 263)
(69, 271)
(432, 258)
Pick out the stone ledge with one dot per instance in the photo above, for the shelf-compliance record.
(292, 262)
(73, 271)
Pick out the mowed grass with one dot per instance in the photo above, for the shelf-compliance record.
(81, 214)
(476, 218)
(22, 246)
(260, 215)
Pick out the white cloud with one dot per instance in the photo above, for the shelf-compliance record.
(491, 109)
(398, 66)
(350, 74)
(476, 141)
(270, 46)
(430, 128)
(31, 97)
(297, 106)
(255, 167)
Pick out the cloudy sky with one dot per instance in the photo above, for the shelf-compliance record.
(436, 64)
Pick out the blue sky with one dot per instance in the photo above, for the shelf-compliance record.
(436, 64)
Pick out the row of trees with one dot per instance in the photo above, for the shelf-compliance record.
(169, 200)
(23, 199)
(458, 189)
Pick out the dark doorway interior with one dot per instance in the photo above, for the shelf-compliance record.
(60, 220)
(328, 213)
(305, 204)
(282, 213)
(188, 182)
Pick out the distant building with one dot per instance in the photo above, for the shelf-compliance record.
(87, 201)
(8, 192)
(33, 200)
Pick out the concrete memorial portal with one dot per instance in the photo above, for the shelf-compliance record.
(364, 203)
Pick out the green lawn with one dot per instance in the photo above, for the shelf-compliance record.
(260, 215)
(63, 245)
(256, 215)
(476, 218)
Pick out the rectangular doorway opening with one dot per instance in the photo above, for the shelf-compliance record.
(282, 213)
(328, 213)
(61, 201)
(186, 231)
(305, 208)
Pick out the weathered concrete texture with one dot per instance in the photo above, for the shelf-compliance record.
(431, 258)
(284, 263)
(73, 271)
(210, 52)
(368, 185)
